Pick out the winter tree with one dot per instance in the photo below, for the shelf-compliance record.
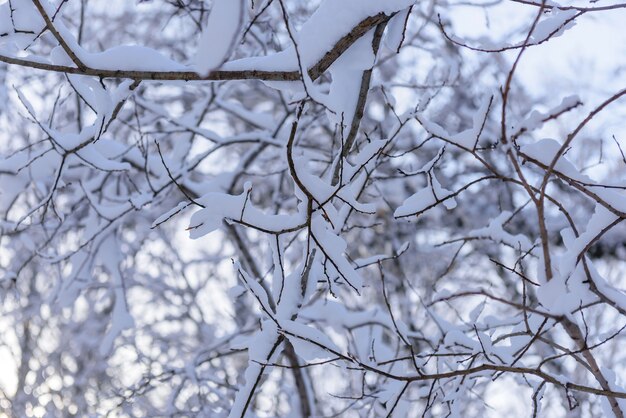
(275, 208)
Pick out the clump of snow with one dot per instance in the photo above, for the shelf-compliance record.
(131, 58)
(556, 22)
(334, 246)
(544, 152)
(330, 22)
(425, 199)
(219, 35)
(496, 232)
(220, 206)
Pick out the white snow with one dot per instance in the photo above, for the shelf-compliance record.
(601, 219)
(329, 23)
(545, 150)
(347, 73)
(466, 139)
(496, 232)
(308, 342)
(334, 246)
(219, 35)
(426, 198)
(555, 23)
(131, 58)
(220, 206)
(395, 30)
